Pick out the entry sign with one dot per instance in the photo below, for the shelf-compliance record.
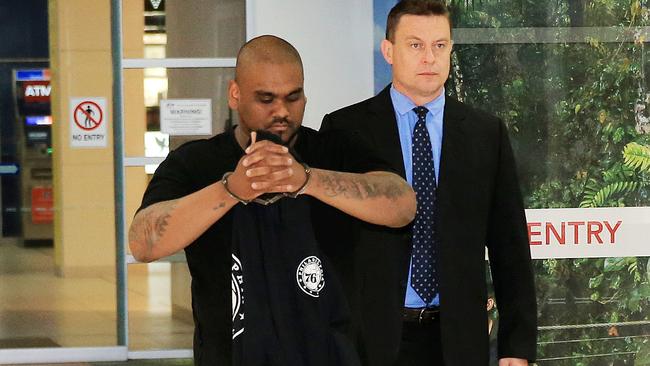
(88, 119)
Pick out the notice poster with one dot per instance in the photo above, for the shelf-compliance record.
(186, 117)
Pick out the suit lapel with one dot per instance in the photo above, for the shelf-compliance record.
(384, 132)
(453, 156)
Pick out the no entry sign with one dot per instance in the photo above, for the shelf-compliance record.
(88, 122)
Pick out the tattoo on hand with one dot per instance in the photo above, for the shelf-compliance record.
(360, 187)
(219, 206)
(151, 226)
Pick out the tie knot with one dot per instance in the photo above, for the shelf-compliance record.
(421, 112)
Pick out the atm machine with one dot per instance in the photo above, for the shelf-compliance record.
(32, 91)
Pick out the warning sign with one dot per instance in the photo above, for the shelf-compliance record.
(88, 125)
(186, 117)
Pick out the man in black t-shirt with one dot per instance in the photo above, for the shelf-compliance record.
(198, 200)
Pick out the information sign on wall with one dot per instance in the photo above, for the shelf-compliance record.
(88, 119)
(186, 117)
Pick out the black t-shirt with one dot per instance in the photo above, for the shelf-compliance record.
(198, 164)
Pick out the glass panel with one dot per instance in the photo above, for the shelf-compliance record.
(160, 310)
(149, 86)
(572, 110)
(160, 315)
(57, 251)
(189, 28)
(574, 113)
(159, 299)
(56, 290)
(41, 309)
(564, 13)
(591, 307)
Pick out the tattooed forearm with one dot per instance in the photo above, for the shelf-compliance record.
(357, 186)
(334, 185)
(380, 198)
(148, 227)
(219, 206)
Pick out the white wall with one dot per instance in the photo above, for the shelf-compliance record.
(335, 40)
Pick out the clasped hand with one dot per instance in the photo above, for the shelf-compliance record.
(266, 168)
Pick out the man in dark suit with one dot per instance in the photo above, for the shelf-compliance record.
(418, 294)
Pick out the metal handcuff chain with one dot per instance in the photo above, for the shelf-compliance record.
(277, 197)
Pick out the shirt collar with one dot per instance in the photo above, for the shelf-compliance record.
(403, 104)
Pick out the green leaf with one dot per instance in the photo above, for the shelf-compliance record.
(608, 128)
(596, 281)
(605, 196)
(581, 261)
(614, 264)
(618, 135)
(637, 156)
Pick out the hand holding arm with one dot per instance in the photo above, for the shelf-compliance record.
(169, 226)
(380, 198)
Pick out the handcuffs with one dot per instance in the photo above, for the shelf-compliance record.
(273, 199)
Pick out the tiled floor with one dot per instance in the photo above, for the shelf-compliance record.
(40, 309)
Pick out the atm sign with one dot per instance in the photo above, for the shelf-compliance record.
(37, 91)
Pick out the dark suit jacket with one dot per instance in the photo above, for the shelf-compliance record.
(479, 204)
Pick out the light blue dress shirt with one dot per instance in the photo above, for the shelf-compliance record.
(406, 120)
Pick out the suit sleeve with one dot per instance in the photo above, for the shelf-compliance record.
(337, 121)
(510, 260)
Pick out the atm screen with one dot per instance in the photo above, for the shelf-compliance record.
(38, 136)
(38, 120)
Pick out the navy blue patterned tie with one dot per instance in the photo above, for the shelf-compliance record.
(423, 265)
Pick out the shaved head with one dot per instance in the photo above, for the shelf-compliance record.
(266, 49)
(268, 90)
